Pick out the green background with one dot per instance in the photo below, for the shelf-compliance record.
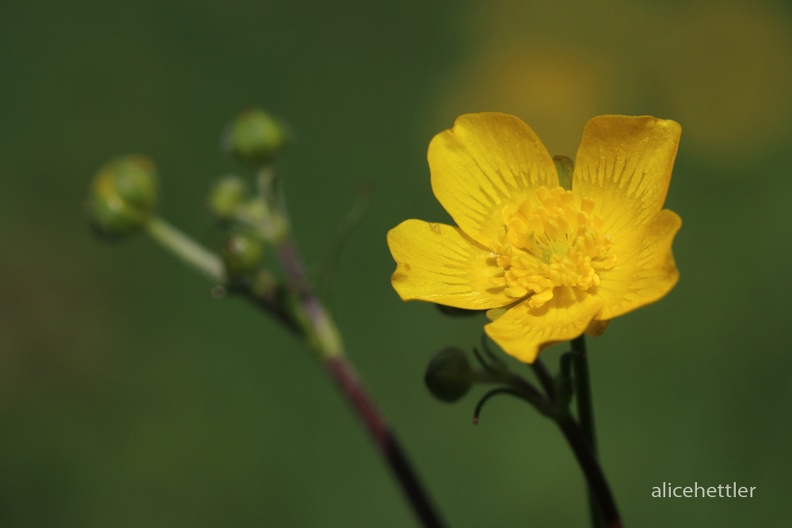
(129, 397)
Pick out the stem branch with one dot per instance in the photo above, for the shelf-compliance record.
(184, 247)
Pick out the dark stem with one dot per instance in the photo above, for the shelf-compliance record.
(585, 409)
(345, 377)
(544, 377)
(600, 495)
(585, 413)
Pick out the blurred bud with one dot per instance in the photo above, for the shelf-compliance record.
(449, 375)
(123, 196)
(255, 138)
(227, 196)
(270, 222)
(242, 255)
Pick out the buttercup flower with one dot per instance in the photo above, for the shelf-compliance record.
(547, 263)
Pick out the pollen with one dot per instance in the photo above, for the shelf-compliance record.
(552, 239)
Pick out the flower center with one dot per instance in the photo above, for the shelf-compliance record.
(550, 241)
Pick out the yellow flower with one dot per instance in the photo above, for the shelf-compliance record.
(548, 263)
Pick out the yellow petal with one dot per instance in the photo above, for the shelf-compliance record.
(438, 263)
(524, 331)
(645, 270)
(486, 161)
(624, 164)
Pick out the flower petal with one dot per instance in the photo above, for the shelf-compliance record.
(645, 270)
(624, 163)
(438, 263)
(524, 331)
(486, 161)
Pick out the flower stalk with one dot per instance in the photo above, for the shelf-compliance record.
(553, 401)
(585, 408)
(585, 413)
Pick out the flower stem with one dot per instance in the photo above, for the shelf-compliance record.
(185, 248)
(585, 413)
(603, 507)
(585, 407)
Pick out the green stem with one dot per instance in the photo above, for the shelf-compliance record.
(585, 413)
(186, 249)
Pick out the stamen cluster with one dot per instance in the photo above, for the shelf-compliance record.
(552, 239)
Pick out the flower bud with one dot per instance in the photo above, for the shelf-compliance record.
(449, 375)
(242, 255)
(255, 138)
(227, 196)
(123, 196)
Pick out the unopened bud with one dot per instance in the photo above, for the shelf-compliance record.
(255, 138)
(123, 196)
(449, 375)
(242, 255)
(227, 196)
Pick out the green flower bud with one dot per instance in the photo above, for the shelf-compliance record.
(227, 196)
(242, 255)
(255, 138)
(123, 196)
(449, 375)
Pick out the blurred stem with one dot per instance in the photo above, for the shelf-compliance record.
(316, 321)
(322, 333)
(186, 249)
(349, 383)
(585, 413)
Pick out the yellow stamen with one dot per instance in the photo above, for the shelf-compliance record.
(550, 241)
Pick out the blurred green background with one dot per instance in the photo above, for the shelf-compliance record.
(128, 397)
